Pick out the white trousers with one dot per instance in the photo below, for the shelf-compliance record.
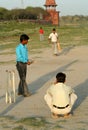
(41, 37)
(66, 110)
(55, 47)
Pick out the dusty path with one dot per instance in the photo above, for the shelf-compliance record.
(74, 62)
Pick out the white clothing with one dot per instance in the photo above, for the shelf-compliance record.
(53, 37)
(60, 91)
(41, 37)
(55, 48)
(60, 95)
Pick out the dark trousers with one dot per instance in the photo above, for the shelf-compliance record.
(22, 69)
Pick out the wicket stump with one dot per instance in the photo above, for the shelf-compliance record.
(10, 87)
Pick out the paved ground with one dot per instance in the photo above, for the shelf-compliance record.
(41, 74)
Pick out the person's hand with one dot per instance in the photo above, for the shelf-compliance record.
(30, 62)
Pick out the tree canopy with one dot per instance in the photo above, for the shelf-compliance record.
(28, 13)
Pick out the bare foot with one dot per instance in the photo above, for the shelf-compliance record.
(55, 116)
(67, 115)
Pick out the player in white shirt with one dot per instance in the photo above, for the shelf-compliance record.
(54, 39)
(59, 97)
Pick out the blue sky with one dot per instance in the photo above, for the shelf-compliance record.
(66, 7)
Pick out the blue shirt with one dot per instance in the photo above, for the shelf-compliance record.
(22, 53)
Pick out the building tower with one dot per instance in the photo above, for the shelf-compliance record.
(53, 14)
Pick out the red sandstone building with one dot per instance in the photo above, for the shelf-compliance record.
(53, 16)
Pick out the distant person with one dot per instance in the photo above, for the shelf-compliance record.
(53, 37)
(60, 98)
(41, 34)
(22, 62)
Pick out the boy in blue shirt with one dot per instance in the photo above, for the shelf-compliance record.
(22, 62)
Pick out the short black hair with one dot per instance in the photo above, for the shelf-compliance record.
(23, 37)
(61, 77)
(54, 29)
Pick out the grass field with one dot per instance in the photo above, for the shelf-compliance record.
(69, 34)
(31, 123)
(75, 34)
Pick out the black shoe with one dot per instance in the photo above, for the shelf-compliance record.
(20, 94)
(55, 54)
(27, 95)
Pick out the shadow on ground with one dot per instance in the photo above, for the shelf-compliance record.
(66, 50)
(82, 92)
(37, 84)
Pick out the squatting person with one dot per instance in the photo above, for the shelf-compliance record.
(59, 97)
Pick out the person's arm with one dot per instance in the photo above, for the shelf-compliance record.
(42, 31)
(71, 91)
(49, 91)
(19, 54)
(49, 38)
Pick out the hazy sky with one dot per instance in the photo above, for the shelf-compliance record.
(66, 7)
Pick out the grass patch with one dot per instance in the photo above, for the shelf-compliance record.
(19, 128)
(33, 121)
(40, 123)
(69, 34)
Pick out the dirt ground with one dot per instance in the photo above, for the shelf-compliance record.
(40, 75)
